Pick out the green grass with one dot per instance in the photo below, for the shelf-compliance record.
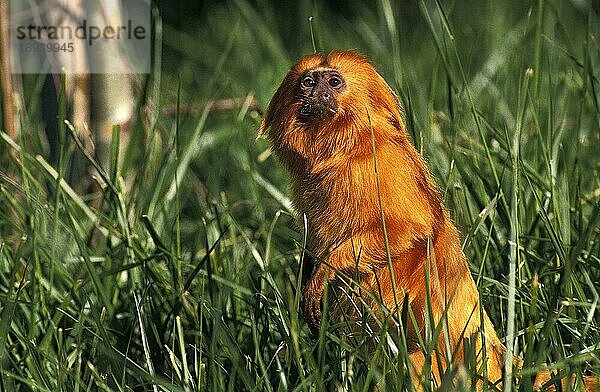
(185, 279)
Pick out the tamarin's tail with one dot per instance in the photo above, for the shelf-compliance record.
(590, 383)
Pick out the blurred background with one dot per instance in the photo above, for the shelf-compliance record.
(167, 259)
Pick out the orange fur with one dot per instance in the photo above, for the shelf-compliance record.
(334, 183)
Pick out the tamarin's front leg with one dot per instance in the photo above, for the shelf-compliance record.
(346, 259)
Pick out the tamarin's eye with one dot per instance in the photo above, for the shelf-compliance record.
(308, 82)
(334, 81)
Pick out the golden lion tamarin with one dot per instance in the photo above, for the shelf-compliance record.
(337, 127)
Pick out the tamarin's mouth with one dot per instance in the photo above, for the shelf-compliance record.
(318, 108)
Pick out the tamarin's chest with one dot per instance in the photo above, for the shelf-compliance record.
(350, 199)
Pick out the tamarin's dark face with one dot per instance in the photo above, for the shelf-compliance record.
(318, 90)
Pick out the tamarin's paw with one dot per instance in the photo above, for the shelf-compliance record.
(312, 293)
(312, 312)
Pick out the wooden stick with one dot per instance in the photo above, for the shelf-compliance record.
(6, 80)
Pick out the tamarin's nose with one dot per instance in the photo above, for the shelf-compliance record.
(325, 96)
